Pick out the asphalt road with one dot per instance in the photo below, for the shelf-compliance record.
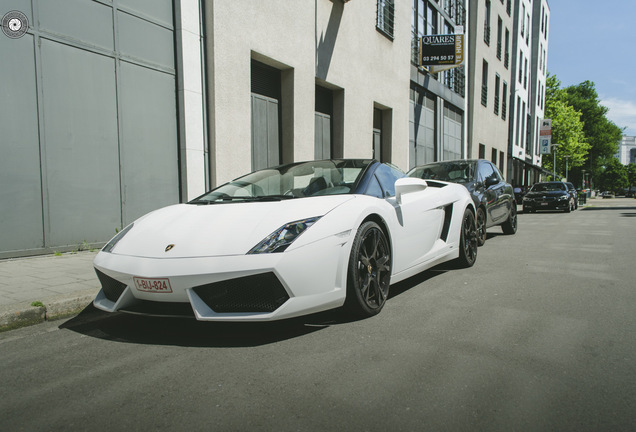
(539, 335)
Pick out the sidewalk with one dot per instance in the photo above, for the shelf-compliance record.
(35, 289)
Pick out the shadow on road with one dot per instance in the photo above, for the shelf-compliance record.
(137, 329)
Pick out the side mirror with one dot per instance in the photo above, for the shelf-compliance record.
(490, 181)
(408, 185)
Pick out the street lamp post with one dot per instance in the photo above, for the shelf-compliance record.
(554, 149)
(566, 166)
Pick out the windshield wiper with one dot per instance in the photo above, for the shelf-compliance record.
(227, 198)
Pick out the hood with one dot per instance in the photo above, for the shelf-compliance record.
(217, 229)
(546, 194)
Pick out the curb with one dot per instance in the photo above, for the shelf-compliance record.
(64, 306)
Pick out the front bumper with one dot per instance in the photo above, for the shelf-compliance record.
(260, 287)
(545, 204)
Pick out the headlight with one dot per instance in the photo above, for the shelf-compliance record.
(280, 239)
(111, 244)
(564, 197)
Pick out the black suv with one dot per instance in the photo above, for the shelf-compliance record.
(553, 195)
(494, 198)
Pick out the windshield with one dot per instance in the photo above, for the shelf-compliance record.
(305, 179)
(548, 187)
(457, 172)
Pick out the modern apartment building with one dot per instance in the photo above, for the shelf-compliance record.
(627, 150)
(437, 110)
(528, 102)
(491, 44)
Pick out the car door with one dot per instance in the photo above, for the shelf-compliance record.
(416, 222)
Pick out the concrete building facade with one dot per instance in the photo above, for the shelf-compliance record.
(491, 42)
(627, 150)
(315, 78)
(529, 71)
(437, 111)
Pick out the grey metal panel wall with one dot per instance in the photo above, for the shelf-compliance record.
(20, 187)
(90, 140)
(148, 165)
(80, 137)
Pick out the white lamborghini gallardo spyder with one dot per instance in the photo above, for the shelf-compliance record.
(287, 241)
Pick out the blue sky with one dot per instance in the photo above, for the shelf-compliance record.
(596, 41)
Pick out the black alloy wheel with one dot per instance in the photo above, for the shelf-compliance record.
(369, 271)
(468, 240)
(481, 227)
(510, 225)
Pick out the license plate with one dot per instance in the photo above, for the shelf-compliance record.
(159, 285)
(544, 203)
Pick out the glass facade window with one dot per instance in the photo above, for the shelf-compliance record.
(385, 17)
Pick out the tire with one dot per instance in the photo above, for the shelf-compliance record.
(481, 227)
(569, 207)
(468, 240)
(369, 271)
(510, 225)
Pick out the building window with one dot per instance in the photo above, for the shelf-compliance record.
(501, 161)
(423, 22)
(493, 156)
(507, 50)
(504, 101)
(520, 66)
(523, 20)
(484, 84)
(508, 7)
(497, 82)
(499, 36)
(487, 23)
(525, 74)
(386, 12)
(482, 151)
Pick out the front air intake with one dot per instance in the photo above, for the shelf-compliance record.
(257, 293)
(112, 287)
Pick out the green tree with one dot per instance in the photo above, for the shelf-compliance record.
(612, 175)
(601, 133)
(631, 174)
(567, 130)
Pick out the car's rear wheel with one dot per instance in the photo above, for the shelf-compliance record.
(569, 207)
(369, 271)
(481, 227)
(468, 240)
(510, 225)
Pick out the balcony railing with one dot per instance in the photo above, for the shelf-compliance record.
(484, 95)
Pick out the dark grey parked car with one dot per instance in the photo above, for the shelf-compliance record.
(552, 195)
(493, 197)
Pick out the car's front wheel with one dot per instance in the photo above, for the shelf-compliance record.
(481, 227)
(369, 271)
(468, 240)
